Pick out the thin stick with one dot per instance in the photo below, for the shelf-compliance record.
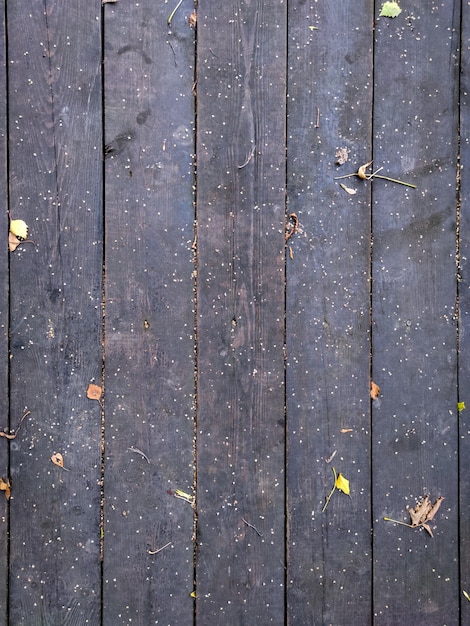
(159, 549)
(132, 449)
(317, 122)
(393, 180)
(253, 527)
(248, 159)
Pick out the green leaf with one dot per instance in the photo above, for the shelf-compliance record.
(390, 9)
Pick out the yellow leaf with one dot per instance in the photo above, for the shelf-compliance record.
(342, 484)
(460, 406)
(466, 594)
(19, 229)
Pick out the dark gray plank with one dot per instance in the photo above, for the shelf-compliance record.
(54, 65)
(149, 365)
(327, 316)
(4, 315)
(415, 434)
(464, 314)
(240, 322)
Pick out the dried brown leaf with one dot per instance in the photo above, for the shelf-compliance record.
(58, 459)
(6, 487)
(434, 509)
(428, 528)
(94, 392)
(374, 390)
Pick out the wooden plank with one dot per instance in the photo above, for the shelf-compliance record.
(241, 69)
(415, 435)
(54, 63)
(4, 320)
(327, 317)
(464, 314)
(149, 391)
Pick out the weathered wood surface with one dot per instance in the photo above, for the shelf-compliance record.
(234, 364)
(149, 332)
(327, 317)
(464, 314)
(4, 316)
(54, 100)
(240, 573)
(414, 333)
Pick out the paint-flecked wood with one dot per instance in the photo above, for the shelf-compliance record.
(415, 421)
(54, 66)
(464, 315)
(149, 343)
(4, 315)
(240, 316)
(327, 316)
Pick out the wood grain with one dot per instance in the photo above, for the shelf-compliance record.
(240, 316)
(415, 422)
(464, 314)
(327, 314)
(149, 334)
(4, 320)
(54, 106)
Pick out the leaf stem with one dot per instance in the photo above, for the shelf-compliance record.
(172, 14)
(395, 521)
(331, 492)
(392, 180)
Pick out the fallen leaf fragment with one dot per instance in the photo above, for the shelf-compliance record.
(342, 484)
(342, 155)
(460, 406)
(465, 594)
(5, 486)
(390, 9)
(193, 19)
(421, 514)
(374, 390)
(13, 242)
(346, 430)
(184, 496)
(58, 460)
(349, 190)
(93, 392)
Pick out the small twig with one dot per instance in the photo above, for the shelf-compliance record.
(253, 527)
(137, 451)
(248, 159)
(317, 122)
(159, 549)
(331, 457)
(15, 432)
